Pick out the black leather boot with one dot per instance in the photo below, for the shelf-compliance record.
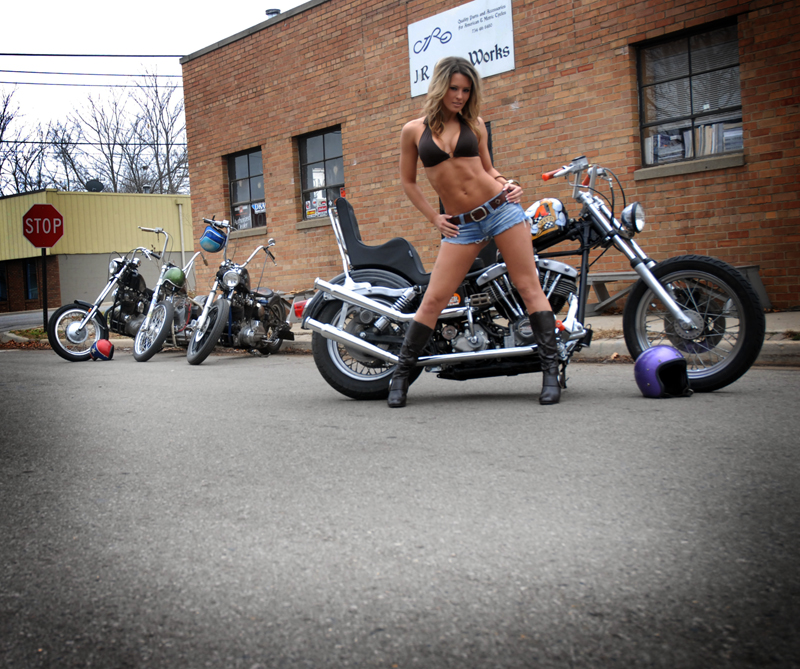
(417, 337)
(544, 332)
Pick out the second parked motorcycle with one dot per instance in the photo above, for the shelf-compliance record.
(172, 311)
(234, 315)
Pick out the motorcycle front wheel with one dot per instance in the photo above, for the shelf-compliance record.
(351, 372)
(721, 303)
(203, 341)
(149, 342)
(66, 339)
(276, 317)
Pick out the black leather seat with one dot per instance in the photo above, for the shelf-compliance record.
(396, 255)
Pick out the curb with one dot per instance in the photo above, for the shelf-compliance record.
(774, 352)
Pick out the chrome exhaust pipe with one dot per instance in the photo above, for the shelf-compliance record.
(351, 297)
(345, 338)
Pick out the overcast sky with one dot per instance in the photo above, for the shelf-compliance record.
(160, 27)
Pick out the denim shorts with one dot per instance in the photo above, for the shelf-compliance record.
(506, 216)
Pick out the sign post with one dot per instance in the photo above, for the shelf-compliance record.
(43, 226)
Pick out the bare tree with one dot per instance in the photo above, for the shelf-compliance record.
(137, 151)
(66, 165)
(104, 126)
(160, 129)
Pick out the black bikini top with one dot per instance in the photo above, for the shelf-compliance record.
(430, 154)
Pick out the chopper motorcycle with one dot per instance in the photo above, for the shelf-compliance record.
(73, 328)
(234, 315)
(171, 312)
(699, 305)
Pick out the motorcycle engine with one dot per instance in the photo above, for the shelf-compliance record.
(463, 341)
(251, 334)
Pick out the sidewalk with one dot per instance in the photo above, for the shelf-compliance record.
(608, 342)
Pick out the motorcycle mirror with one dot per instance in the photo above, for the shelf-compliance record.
(270, 242)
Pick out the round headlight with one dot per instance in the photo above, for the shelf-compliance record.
(231, 278)
(633, 218)
(114, 265)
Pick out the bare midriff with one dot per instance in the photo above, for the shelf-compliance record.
(462, 184)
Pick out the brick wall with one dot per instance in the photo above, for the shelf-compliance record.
(573, 92)
(15, 276)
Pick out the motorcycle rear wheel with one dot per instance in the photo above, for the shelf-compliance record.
(68, 342)
(353, 373)
(147, 344)
(203, 341)
(276, 316)
(722, 303)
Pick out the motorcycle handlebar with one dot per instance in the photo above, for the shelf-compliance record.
(217, 224)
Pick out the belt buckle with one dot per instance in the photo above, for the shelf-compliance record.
(474, 213)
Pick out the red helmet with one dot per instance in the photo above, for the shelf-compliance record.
(102, 349)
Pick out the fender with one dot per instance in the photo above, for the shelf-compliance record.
(374, 276)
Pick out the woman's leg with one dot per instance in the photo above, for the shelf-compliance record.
(515, 245)
(452, 264)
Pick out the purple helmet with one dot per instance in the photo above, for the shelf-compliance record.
(102, 349)
(661, 372)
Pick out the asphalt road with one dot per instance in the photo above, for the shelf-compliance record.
(242, 514)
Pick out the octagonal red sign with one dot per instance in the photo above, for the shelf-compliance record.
(42, 226)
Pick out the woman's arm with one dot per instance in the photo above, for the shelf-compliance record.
(513, 191)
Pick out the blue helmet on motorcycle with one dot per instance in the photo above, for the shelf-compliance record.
(102, 349)
(212, 240)
(661, 372)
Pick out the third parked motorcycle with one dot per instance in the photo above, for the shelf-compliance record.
(233, 314)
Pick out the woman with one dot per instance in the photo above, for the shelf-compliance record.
(452, 143)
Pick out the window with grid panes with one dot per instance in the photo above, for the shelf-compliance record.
(3, 282)
(321, 171)
(31, 280)
(689, 96)
(246, 180)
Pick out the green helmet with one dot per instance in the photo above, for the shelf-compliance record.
(176, 276)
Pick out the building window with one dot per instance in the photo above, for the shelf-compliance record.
(321, 171)
(246, 176)
(3, 282)
(31, 282)
(689, 96)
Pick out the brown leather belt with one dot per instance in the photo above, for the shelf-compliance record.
(479, 213)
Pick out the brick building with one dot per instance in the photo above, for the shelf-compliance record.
(315, 99)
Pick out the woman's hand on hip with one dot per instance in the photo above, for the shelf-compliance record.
(513, 193)
(444, 225)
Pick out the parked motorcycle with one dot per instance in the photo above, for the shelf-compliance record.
(171, 312)
(233, 314)
(73, 328)
(700, 305)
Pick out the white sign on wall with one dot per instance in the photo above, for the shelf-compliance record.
(481, 31)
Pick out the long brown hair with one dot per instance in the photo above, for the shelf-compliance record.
(440, 82)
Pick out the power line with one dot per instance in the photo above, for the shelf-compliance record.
(43, 83)
(94, 74)
(87, 55)
(56, 144)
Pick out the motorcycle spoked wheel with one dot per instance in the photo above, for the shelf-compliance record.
(276, 317)
(203, 341)
(722, 304)
(148, 343)
(354, 373)
(64, 337)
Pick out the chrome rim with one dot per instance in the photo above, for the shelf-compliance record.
(710, 303)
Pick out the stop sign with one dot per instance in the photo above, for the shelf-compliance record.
(42, 226)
